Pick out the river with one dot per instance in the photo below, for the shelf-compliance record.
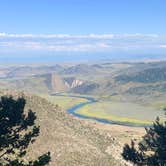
(91, 100)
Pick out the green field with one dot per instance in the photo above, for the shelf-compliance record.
(121, 112)
(124, 112)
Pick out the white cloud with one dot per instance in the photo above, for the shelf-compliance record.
(79, 43)
(162, 46)
(90, 36)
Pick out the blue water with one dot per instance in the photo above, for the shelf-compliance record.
(92, 100)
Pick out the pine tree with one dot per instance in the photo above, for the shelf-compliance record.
(151, 150)
(17, 131)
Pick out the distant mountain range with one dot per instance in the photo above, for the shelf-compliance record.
(128, 79)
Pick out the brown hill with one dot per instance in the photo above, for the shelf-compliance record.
(71, 141)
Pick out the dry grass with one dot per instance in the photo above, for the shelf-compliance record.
(71, 141)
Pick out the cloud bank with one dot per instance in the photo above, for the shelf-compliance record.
(17, 43)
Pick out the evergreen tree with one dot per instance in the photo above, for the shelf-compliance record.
(151, 150)
(17, 131)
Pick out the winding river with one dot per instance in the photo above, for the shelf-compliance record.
(91, 100)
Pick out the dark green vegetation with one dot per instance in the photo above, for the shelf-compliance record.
(151, 150)
(71, 141)
(17, 131)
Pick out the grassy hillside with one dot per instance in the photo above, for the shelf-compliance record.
(146, 76)
(45, 83)
(70, 140)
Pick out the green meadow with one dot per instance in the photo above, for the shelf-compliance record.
(64, 102)
(125, 112)
(121, 112)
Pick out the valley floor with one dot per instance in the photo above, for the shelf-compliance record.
(107, 111)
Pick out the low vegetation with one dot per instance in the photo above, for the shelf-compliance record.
(121, 112)
(64, 102)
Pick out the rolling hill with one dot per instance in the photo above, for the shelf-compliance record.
(129, 81)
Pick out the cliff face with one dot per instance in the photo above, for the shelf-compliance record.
(76, 83)
(58, 84)
(72, 82)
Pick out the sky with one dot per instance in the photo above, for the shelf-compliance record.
(87, 29)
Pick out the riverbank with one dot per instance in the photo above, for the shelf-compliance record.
(74, 110)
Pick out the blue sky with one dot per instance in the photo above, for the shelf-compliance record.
(56, 27)
(83, 16)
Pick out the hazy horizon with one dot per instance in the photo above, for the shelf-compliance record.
(81, 30)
